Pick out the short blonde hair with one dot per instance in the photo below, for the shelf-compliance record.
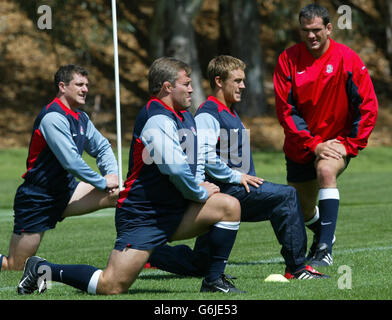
(221, 66)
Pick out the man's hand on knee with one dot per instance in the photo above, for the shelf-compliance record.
(330, 149)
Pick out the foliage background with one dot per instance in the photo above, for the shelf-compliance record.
(82, 33)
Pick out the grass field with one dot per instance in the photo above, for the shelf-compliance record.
(362, 253)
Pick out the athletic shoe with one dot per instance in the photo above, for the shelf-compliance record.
(313, 247)
(306, 273)
(229, 277)
(31, 279)
(322, 257)
(222, 284)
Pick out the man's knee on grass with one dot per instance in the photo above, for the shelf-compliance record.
(122, 271)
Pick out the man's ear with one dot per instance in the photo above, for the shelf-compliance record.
(218, 81)
(61, 87)
(329, 28)
(167, 87)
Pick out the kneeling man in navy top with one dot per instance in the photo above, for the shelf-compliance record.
(161, 201)
(226, 155)
(50, 192)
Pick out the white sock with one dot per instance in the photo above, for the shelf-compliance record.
(315, 217)
(231, 225)
(92, 285)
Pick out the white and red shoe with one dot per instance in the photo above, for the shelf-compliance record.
(305, 273)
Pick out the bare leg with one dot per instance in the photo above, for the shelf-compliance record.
(124, 266)
(307, 194)
(21, 247)
(87, 198)
(199, 217)
(122, 270)
(328, 170)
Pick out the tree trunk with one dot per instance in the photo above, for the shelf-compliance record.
(240, 26)
(156, 34)
(173, 22)
(388, 32)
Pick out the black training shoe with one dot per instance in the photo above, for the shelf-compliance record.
(322, 257)
(222, 284)
(229, 277)
(306, 273)
(313, 247)
(31, 279)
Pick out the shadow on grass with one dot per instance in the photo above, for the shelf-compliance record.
(162, 276)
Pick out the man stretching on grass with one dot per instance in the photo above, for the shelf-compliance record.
(50, 192)
(226, 160)
(161, 201)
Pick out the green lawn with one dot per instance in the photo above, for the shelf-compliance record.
(362, 253)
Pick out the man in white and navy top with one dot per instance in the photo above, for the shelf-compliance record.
(50, 192)
(162, 201)
(226, 160)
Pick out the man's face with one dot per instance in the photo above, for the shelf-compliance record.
(315, 34)
(181, 93)
(233, 86)
(76, 91)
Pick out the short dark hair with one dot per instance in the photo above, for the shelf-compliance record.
(65, 74)
(165, 69)
(314, 10)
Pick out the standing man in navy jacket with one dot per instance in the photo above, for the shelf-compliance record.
(50, 191)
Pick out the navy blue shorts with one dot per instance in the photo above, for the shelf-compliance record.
(277, 203)
(37, 210)
(298, 172)
(146, 230)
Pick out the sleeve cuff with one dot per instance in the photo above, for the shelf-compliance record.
(313, 143)
(236, 177)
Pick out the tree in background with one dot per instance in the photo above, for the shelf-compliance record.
(172, 34)
(240, 37)
(193, 30)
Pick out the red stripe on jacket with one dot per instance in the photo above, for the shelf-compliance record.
(137, 166)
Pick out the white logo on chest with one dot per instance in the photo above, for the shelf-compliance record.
(329, 68)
